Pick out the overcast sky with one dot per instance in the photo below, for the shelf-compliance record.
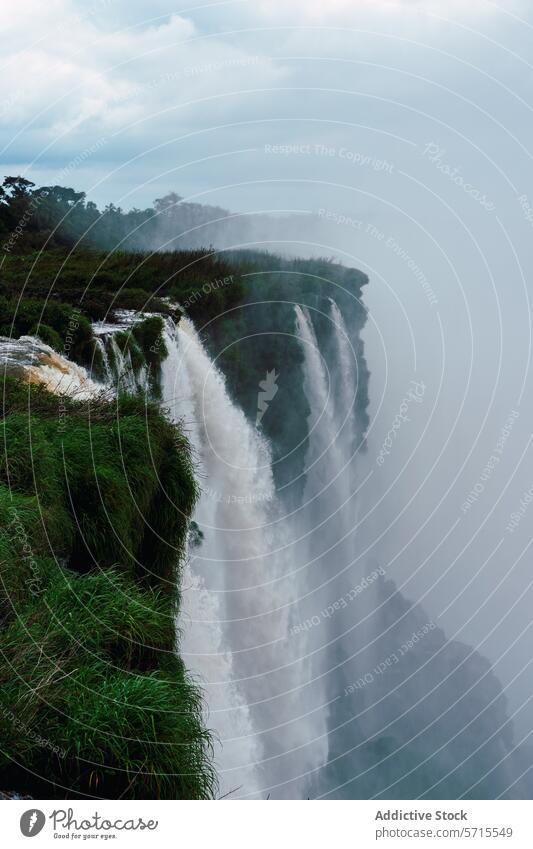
(153, 96)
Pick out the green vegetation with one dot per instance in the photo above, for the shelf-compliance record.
(57, 245)
(67, 263)
(56, 216)
(95, 500)
(99, 283)
(59, 325)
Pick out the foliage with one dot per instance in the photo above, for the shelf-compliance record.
(59, 325)
(99, 283)
(57, 216)
(94, 512)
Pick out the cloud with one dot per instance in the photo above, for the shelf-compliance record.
(70, 77)
(65, 64)
(159, 86)
(348, 11)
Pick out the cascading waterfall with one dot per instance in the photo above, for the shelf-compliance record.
(107, 369)
(329, 512)
(330, 459)
(201, 627)
(118, 370)
(305, 627)
(244, 565)
(413, 714)
(263, 578)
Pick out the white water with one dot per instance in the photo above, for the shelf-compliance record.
(260, 575)
(36, 362)
(266, 702)
(118, 369)
(329, 514)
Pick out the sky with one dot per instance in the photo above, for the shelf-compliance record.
(128, 99)
(405, 127)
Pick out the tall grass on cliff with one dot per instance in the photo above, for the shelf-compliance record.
(95, 500)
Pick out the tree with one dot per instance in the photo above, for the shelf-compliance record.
(17, 187)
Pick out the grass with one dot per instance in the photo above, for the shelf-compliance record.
(94, 514)
(98, 282)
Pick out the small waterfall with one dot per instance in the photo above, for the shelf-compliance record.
(35, 362)
(325, 463)
(117, 366)
(329, 508)
(123, 373)
(107, 372)
(345, 352)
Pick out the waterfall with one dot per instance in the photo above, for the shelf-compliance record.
(329, 511)
(329, 457)
(256, 614)
(411, 714)
(106, 364)
(118, 370)
(262, 580)
(37, 362)
(243, 583)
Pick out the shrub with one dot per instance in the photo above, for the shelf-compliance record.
(94, 516)
(59, 325)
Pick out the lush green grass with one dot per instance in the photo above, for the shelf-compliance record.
(94, 511)
(98, 282)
